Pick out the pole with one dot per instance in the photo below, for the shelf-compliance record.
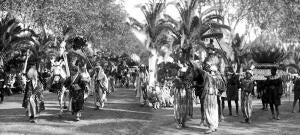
(26, 61)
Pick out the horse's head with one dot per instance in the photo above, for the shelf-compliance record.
(58, 72)
(10, 80)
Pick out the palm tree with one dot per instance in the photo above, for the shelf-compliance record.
(294, 59)
(12, 38)
(153, 27)
(267, 48)
(192, 29)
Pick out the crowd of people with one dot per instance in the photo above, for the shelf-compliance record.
(209, 86)
(192, 82)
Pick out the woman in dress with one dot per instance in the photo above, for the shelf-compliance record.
(141, 79)
(247, 86)
(233, 93)
(101, 87)
(182, 106)
(210, 93)
(274, 92)
(296, 93)
(33, 97)
(78, 89)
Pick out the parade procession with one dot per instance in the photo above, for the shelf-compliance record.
(160, 67)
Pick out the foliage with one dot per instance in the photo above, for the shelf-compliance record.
(101, 21)
(154, 25)
(13, 38)
(267, 49)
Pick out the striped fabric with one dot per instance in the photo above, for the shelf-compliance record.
(220, 83)
(261, 74)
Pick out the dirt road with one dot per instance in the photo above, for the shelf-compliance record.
(123, 116)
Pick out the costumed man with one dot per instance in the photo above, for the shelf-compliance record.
(247, 86)
(296, 93)
(101, 87)
(141, 86)
(79, 88)
(210, 95)
(262, 93)
(274, 92)
(233, 92)
(2, 80)
(73, 86)
(183, 104)
(33, 97)
(111, 77)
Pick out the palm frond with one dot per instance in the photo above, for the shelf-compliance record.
(136, 24)
(208, 11)
(209, 18)
(212, 35)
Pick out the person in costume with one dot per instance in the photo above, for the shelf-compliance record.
(183, 100)
(141, 85)
(296, 93)
(33, 97)
(233, 92)
(74, 84)
(210, 93)
(247, 93)
(101, 87)
(2, 80)
(274, 92)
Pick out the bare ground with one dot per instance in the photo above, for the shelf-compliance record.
(122, 115)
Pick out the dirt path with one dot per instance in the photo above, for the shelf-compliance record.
(122, 115)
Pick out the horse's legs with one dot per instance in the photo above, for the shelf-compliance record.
(60, 95)
(64, 96)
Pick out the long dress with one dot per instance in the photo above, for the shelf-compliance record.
(180, 102)
(232, 90)
(140, 94)
(274, 90)
(246, 97)
(33, 99)
(210, 102)
(76, 94)
(101, 87)
(296, 89)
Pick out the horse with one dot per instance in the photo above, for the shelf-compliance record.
(58, 78)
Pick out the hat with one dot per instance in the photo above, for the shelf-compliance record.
(213, 68)
(249, 72)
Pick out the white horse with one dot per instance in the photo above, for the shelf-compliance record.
(59, 77)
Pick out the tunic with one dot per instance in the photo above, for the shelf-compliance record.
(33, 98)
(232, 88)
(180, 102)
(274, 89)
(246, 97)
(210, 101)
(296, 89)
(101, 88)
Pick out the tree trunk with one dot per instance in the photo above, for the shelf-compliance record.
(153, 67)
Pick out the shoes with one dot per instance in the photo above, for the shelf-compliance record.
(97, 108)
(209, 131)
(77, 119)
(249, 121)
(179, 126)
